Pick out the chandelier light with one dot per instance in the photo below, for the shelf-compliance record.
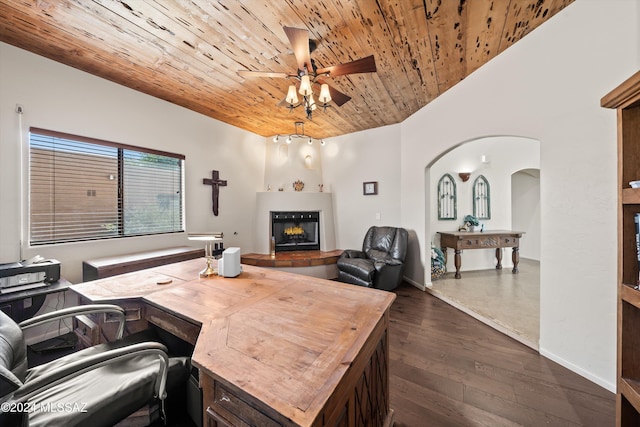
(299, 134)
(307, 80)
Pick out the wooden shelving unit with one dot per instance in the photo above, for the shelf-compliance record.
(626, 100)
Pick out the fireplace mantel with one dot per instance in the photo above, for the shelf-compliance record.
(270, 201)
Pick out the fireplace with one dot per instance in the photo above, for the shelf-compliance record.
(296, 231)
(268, 202)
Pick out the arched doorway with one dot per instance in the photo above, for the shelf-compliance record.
(511, 167)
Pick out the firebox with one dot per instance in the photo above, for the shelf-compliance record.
(296, 231)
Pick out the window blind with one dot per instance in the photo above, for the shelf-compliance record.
(86, 189)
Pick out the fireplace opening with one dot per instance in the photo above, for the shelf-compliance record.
(296, 231)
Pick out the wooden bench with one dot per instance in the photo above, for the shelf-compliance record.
(110, 266)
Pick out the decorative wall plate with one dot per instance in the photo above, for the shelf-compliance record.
(298, 185)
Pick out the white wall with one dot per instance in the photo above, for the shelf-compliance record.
(285, 163)
(548, 87)
(350, 160)
(504, 156)
(525, 211)
(63, 99)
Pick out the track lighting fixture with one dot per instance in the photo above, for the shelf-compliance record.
(298, 134)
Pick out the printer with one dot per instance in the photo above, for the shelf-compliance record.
(33, 273)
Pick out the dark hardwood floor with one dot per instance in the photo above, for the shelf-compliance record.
(448, 369)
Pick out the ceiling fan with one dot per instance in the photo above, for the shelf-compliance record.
(308, 75)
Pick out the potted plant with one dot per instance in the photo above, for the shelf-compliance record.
(470, 223)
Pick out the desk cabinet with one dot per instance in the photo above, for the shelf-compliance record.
(226, 408)
(100, 328)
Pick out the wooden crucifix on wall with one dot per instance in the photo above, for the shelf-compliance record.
(215, 182)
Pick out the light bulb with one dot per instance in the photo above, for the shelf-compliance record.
(289, 140)
(310, 141)
(275, 138)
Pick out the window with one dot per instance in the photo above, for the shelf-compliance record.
(87, 189)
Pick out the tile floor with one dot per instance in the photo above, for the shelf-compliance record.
(505, 301)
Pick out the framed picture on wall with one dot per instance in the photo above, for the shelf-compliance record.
(370, 188)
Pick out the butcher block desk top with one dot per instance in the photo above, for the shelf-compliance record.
(285, 339)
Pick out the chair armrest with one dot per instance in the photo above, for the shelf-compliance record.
(75, 311)
(391, 261)
(95, 361)
(353, 253)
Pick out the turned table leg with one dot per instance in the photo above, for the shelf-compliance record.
(515, 257)
(457, 261)
(499, 258)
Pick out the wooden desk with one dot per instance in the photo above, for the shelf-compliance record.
(459, 240)
(273, 348)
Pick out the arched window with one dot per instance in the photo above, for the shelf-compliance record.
(447, 198)
(481, 198)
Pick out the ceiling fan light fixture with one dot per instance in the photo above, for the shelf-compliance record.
(309, 74)
(325, 96)
(305, 85)
(292, 96)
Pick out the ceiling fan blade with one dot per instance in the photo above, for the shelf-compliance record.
(337, 97)
(247, 73)
(364, 65)
(299, 40)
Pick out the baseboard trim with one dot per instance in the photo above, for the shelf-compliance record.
(412, 282)
(588, 375)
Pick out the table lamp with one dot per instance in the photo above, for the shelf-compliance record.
(209, 239)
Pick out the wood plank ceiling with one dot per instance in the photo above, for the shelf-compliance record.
(188, 52)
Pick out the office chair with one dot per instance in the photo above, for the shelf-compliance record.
(96, 386)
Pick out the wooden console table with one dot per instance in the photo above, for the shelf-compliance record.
(273, 348)
(459, 240)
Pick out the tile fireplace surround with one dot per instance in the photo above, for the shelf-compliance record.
(273, 201)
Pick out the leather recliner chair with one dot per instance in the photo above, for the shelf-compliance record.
(380, 263)
(96, 386)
